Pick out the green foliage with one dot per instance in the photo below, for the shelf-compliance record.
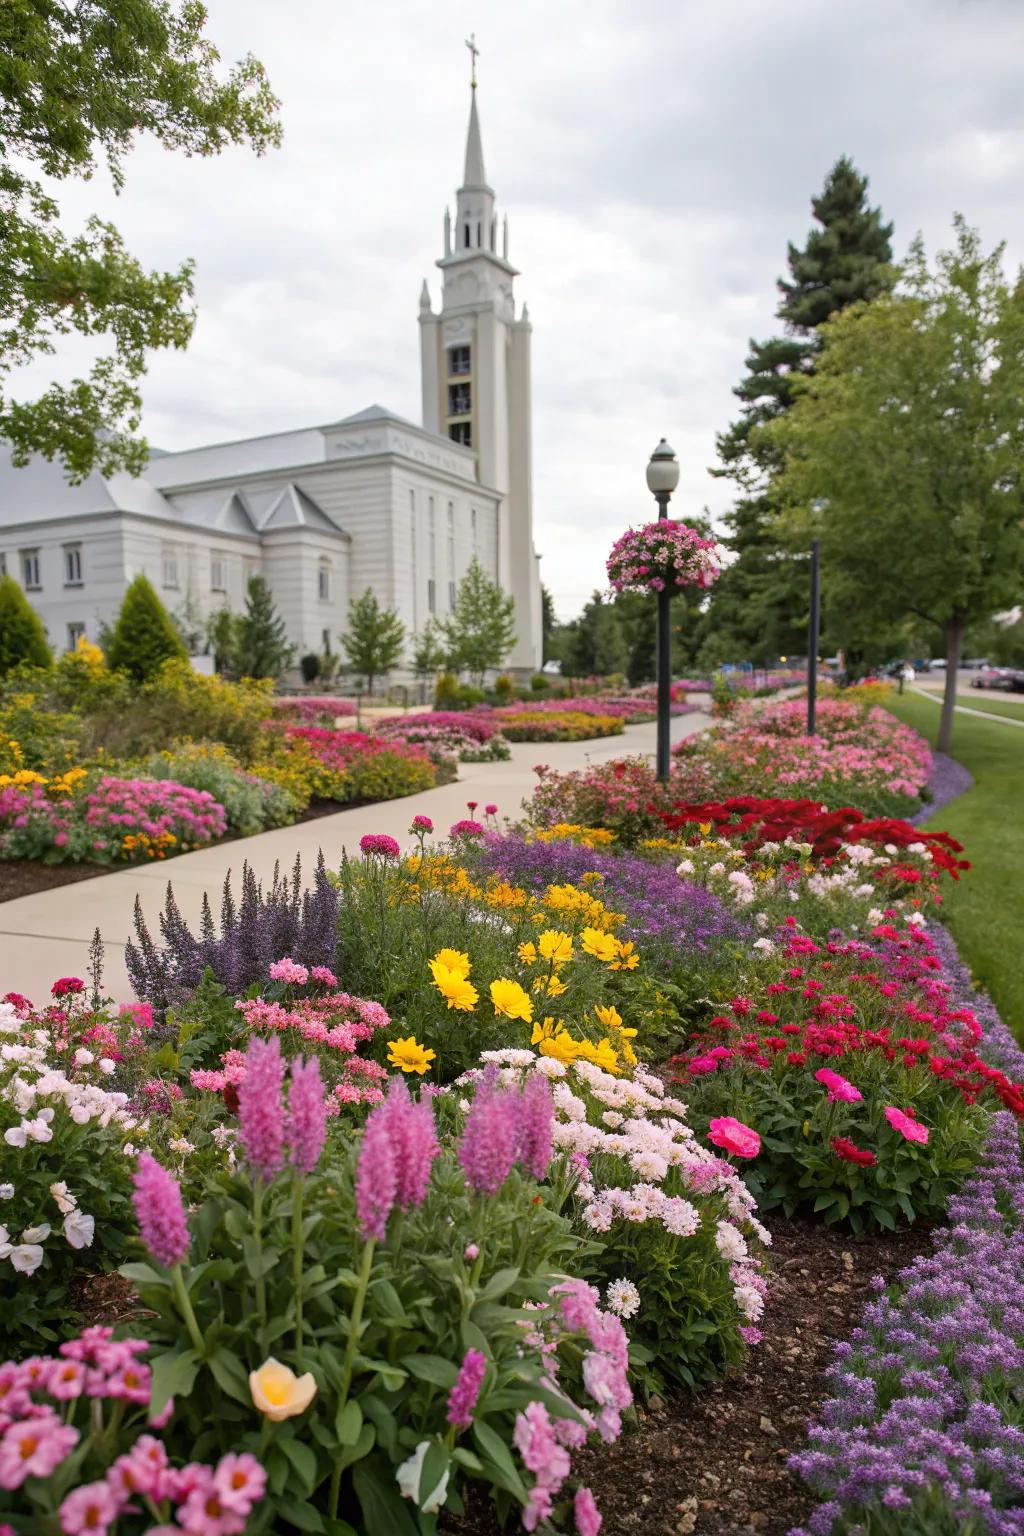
(260, 643)
(451, 694)
(481, 630)
(179, 703)
(309, 666)
(22, 636)
(78, 85)
(429, 653)
(251, 804)
(374, 639)
(902, 451)
(144, 635)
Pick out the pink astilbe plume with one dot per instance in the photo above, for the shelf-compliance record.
(413, 1141)
(260, 1113)
(160, 1212)
(537, 1113)
(376, 1175)
(307, 1115)
(588, 1517)
(463, 1396)
(490, 1140)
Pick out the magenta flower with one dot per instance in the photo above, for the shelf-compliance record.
(588, 1517)
(490, 810)
(67, 984)
(260, 1115)
(537, 1113)
(381, 844)
(288, 970)
(490, 1140)
(413, 1141)
(307, 1115)
(839, 1088)
(91, 1507)
(160, 1212)
(463, 1396)
(422, 824)
(907, 1126)
(465, 828)
(734, 1136)
(34, 1447)
(376, 1175)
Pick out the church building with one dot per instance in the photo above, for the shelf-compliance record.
(323, 512)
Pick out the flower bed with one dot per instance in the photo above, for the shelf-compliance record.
(556, 725)
(120, 820)
(314, 709)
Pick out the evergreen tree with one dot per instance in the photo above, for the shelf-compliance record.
(597, 645)
(548, 622)
(144, 634)
(374, 640)
(22, 636)
(481, 630)
(261, 647)
(759, 606)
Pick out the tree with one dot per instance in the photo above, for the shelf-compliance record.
(261, 647)
(144, 634)
(548, 622)
(903, 450)
(597, 645)
(22, 636)
(374, 640)
(759, 606)
(481, 630)
(78, 84)
(429, 654)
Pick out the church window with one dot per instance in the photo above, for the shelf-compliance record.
(451, 597)
(458, 400)
(468, 241)
(30, 570)
(325, 641)
(431, 595)
(76, 632)
(459, 432)
(324, 581)
(472, 526)
(3, 564)
(478, 240)
(169, 566)
(458, 362)
(72, 565)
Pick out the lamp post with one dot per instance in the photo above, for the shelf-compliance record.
(662, 479)
(812, 636)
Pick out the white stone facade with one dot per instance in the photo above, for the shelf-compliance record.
(324, 512)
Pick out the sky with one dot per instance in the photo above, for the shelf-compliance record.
(654, 158)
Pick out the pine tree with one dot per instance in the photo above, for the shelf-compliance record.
(374, 640)
(144, 634)
(759, 605)
(261, 647)
(22, 636)
(481, 630)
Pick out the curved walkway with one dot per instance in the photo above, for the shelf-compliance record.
(965, 709)
(47, 935)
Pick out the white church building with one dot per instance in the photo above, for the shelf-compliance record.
(322, 512)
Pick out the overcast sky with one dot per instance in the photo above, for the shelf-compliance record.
(653, 156)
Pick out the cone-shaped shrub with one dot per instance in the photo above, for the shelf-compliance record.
(144, 636)
(22, 636)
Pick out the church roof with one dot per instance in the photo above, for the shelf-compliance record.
(474, 174)
(375, 413)
(294, 509)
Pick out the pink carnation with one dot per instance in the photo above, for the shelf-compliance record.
(839, 1088)
(288, 970)
(381, 844)
(907, 1125)
(733, 1136)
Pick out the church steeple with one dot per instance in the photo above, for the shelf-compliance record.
(474, 175)
(475, 218)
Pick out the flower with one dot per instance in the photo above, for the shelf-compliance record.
(463, 1396)
(66, 985)
(278, 1392)
(376, 1175)
(65, 1201)
(510, 1001)
(409, 1056)
(260, 1116)
(288, 970)
(457, 992)
(603, 946)
(456, 960)
(239, 1481)
(93, 1507)
(490, 810)
(159, 1212)
(307, 1115)
(490, 1138)
(536, 1126)
(465, 829)
(422, 824)
(734, 1136)
(379, 844)
(33, 1448)
(623, 1298)
(843, 1147)
(838, 1087)
(587, 1515)
(26, 1257)
(408, 1479)
(907, 1125)
(555, 946)
(79, 1229)
(610, 1017)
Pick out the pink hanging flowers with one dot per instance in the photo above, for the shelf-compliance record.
(662, 556)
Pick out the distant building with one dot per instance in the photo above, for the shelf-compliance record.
(322, 512)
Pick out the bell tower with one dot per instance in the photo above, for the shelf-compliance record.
(476, 376)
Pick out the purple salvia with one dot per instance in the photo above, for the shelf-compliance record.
(537, 1114)
(160, 1212)
(463, 1396)
(376, 1175)
(307, 1115)
(260, 1112)
(413, 1141)
(490, 1140)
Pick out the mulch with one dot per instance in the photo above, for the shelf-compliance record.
(714, 1463)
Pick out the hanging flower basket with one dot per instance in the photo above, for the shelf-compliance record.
(662, 556)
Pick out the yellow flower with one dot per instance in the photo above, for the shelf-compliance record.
(626, 958)
(610, 1017)
(545, 1030)
(455, 960)
(601, 945)
(455, 989)
(704, 828)
(550, 986)
(510, 1000)
(556, 946)
(561, 1046)
(409, 1055)
(528, 953)
(603, 1054)
(278, 1392)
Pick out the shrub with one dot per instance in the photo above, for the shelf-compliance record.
(144, 634)
(449, 693)
(48, 742)
(309, 666)
(371, 768)
(22, 636)
(250, 803)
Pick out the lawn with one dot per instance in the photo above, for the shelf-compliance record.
(986, 911)
(993, 704)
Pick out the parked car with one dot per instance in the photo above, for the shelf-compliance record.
(976, 665)
(937, 664)
(1002, 679)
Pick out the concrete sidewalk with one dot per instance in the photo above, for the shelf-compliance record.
(47, 935)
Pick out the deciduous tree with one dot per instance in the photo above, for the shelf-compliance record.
(481, 630)
(374, 640)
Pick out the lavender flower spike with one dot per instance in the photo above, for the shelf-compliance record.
(414, 1142)
(376, 1175)
(159, 1212)
(260, 1113)
(307, 1115)
(535, 1131)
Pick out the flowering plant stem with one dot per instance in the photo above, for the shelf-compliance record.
(257, 1232)
(348, 1365)
(297, 1266)
(185, 1307)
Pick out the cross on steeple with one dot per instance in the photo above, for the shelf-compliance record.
(474, 53)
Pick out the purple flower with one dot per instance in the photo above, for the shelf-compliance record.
(307, 1115)
(381, 844)
(413, 1141)
(159, 1212)
(537, 1114)
(260, 1114)
(463, 1396)
(376, 1175)
(490, 1140)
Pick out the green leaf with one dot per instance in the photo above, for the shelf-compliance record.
(385, 1512)
(348, 1421)
(230, 1375)
(173, 1376)
(500, 1284)
(305, 1517)
(303, 1459)
(497, 1452)
(432, 1368)
(144, 1274)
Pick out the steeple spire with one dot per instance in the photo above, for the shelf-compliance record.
(474, 174)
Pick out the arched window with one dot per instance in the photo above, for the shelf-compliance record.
(324, 580)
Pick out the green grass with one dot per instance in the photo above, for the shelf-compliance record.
(993, 704)
(985, 911)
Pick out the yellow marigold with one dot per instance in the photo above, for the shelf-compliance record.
(527, 953)
(591, 877)
(457, 992)
(610, 1017)
(561, 1046)
(455, 960)
(603, 946)
(626, 958)
(510, 1001)
(550, 986)
(603, 1055)
(556, 946)
(409, 1055)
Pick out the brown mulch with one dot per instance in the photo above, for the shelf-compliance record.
(104, 1299)
(714, 1463)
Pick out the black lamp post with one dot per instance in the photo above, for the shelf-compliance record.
(812, 637)
(662, 479)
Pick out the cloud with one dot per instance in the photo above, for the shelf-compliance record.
(654, 157)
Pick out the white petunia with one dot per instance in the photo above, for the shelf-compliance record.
(623, 1298)
(65, 1202)
(408, 1479)
(36, 1234)
(26, 1258)
(79, 1229)
(6, 1191)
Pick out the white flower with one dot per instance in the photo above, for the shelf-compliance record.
(79, 1229)
(549, 1067)
(16, 1135)
(65, 1202)
(765, 945)
(875, 916)
(36, 1234)
(180, 1144)
(83, 1057)
(107, 1066)
(729, 1242)
(26, 1258)
(408, 1479)
(761, 919)
(129, 1149)
(916, 920)
(623, 1298)
(598, 1217)
(685, 868)
(6, 1191)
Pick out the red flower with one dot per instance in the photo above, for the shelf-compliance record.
(67, 984)
(845, 1148)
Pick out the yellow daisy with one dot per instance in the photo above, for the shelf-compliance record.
(610, 1017)
(551, 986)
(455, 960)
(409, 1055)
(601, 945)
(510, 1000)
(562, 1047)
(556, 946)
(626, 957)
(528, 953)
(457, 992)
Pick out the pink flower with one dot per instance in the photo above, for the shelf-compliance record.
(260, 1117)
(159, 1212)
(734, 1136)
(204, 1512)
(288, 971)
(490, 1140)
(471, 805)
(907, 1125)
(588, 1518)
(67, 984)
(490, 810)
(463, 1396)
(422, 824)
(381, 844)
(239, 1481)
(33, 1448)
(465, 829)
(307, 1117)
(93, 1507)
(535, 1129)
(376, 1175)
(471, 1252)
(838, 1087)
(413, 1142)
(321, 973)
